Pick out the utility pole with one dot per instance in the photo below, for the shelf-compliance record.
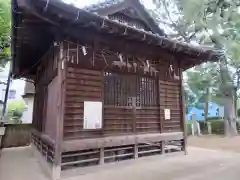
(6, 93)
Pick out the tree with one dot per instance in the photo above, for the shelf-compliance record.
(220, 20)
(15, 110)
(5, 27)
(212, 22)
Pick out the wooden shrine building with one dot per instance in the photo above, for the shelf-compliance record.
(108, 81)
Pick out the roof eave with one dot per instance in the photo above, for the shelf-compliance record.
(160, 41)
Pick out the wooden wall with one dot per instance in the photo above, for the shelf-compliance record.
(46, 90)
(81, 85)
(133, 103)
(52, 109)
(121, 118)
(170, 99)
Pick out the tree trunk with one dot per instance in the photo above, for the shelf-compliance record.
(235, 102)
(206, 105)
(230, 128)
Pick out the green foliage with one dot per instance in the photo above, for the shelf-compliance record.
(15, 104)
(238, 112)
(209, 22)
(217, 126)
(15, 110)
(5, 27)
(202, 77)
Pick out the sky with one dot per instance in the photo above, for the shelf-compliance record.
(18, 85)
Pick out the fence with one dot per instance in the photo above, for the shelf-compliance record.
(217, 127)
(16, 135)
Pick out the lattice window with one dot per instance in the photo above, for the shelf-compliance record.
(146, 92)
(121, 89)
(117, 89)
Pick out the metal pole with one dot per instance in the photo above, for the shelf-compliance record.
(6, 92)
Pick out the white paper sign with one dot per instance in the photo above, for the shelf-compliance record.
(92, 115)
(167, 113)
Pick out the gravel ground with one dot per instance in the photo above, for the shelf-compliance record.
(199, 164)
(216, 142)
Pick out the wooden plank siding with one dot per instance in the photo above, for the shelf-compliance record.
(147, 120)
(88, 85)
(118, 119)
(170, 99)
(44, 111)
(133, 102)
(81, 85)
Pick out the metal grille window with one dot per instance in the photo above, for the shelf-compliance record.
(120, 89)
(146, 92)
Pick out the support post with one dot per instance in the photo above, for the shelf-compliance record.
(135, 151)
(195, 126)
(198, 129)
(163, 147)
(134, 114)
(183, 111)
(193, 129)
(101, 162)
(209, 127)
(6, 92)
(60, 105)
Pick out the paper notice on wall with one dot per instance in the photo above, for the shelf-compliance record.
(92, 115)
(167, 114)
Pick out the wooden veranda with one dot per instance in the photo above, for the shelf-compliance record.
(114, 59)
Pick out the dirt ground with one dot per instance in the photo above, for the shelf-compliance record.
(215, 142)
(213, 158)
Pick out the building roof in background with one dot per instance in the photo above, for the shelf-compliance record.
(29, 89)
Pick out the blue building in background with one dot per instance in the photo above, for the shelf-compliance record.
(214, 110)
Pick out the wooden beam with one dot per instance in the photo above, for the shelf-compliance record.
(159, 101)
(82, 144)
(183, 111)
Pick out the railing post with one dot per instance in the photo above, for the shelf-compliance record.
(195, 126)
(209, 127)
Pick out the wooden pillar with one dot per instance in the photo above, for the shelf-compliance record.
(135, 150)
(183, 112)
(59, 124)
(159, 100)
(101, 156)
(134, 104)
(163, 147)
